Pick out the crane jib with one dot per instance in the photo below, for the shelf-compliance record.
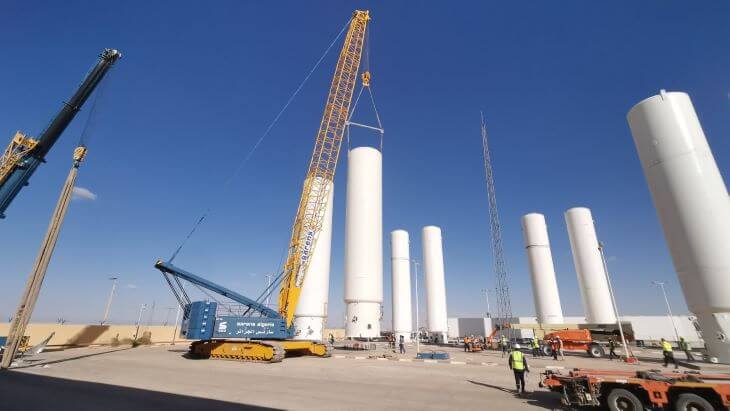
(322, 166)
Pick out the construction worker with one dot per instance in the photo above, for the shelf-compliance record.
(535, 347)
(402, 344)
(611, 349)
(684, 346)
(668, 353)
(466, 344)
(518, 364)
(560, 349)
(503, 343)
(331, 339)
(554, 348)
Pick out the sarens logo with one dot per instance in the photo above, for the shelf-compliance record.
(304, 257)
(222, 326)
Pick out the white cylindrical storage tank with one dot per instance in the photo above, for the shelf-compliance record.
(400, 261)
(364, 243)
(691, 200)
(433, 266)
(542, 270)
(592, 278)
(311, 313)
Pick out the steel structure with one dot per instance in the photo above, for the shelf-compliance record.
(260, 333)
(504, 305)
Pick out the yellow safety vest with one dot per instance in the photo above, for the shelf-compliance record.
(518, 363)
(666, 346)
(535, 344)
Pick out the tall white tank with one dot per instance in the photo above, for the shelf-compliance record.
(400, 262)
(311, 314)
(691, 199)
(433, 266)
(364, 243)
(542, 270)
(592, 278)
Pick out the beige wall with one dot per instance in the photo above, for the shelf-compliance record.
(338, 333)
(86, 334)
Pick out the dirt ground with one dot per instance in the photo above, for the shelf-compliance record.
(160, 378)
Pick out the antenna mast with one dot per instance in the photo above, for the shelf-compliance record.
(504, 306)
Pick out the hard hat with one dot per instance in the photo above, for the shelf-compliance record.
(517, 346)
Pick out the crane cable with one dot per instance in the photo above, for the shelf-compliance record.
(369, 87)
(349, 122)
(260, 140)
(91, 119)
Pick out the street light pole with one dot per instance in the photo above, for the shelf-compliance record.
(669, 308)
(177, 318)
(627, 354)
(418, 329)
(109, 301)
(167, 315)
(139, 320)
(486, 294)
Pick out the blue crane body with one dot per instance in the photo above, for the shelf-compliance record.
(20, 168)
(200, 321)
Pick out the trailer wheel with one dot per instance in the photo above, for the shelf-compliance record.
(623, 400)
(692, 402)
(596, 351)
(547, 351)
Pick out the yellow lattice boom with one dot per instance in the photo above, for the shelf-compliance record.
(19, 146)
(321, 172)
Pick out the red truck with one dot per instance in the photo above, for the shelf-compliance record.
(638, 390)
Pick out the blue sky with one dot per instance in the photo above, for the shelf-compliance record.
(199, 83)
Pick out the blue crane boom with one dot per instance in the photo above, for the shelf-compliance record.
(219, 289)
(24, 155)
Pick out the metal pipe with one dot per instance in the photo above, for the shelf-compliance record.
(613, 301)
(418, 328)
(109, 301)
(669, 308)
(486, 294)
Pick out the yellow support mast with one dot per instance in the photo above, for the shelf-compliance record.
(321, 172)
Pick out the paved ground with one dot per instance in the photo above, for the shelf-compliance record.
(159, 378)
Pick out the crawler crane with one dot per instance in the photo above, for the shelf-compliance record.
(253, 331)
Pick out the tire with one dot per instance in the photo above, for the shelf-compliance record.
(546, 351)
(623, 400)
(596, 351)
(687, 402)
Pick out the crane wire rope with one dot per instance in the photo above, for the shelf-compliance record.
(349, 122)
(92, 118)
(268, 129)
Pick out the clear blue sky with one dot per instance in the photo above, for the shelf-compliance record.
(199, 83)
